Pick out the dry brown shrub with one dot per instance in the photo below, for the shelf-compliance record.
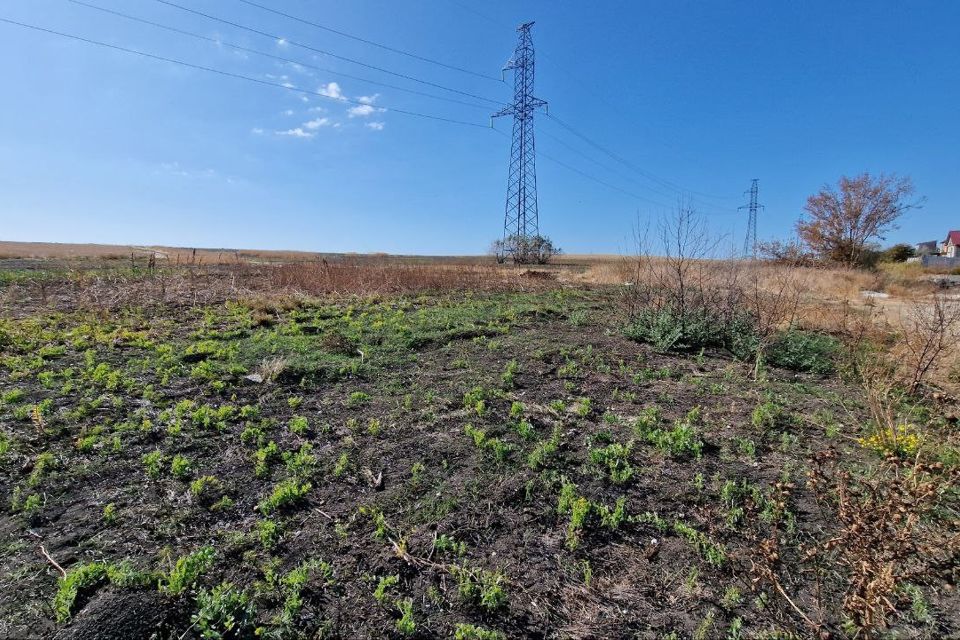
(887, 531)
(271, 368)
(363, 277)
(929, 330)
(265, 287)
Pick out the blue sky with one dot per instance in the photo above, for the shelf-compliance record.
(102, 146)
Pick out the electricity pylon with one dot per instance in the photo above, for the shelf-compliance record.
(521, 219)
(750, 243)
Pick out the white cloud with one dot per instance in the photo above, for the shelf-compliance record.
(376, 126)
(296, 133)
(368, 99)
(289, 112)
(317, 123)
(176, 169)
(257, 131)
(331, 90)
(282, 42)
(289, 85)
(361, 111)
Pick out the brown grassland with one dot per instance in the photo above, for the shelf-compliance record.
(241, 444)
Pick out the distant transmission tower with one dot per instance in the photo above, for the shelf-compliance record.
(750, 243)
(521, 219)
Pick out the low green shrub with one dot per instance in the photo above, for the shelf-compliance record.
(223, 612)
(804, 351)
(670, 329)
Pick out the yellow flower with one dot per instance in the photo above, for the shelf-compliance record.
(904, 440)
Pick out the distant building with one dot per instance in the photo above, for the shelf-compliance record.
(927, 248)
(951, 246)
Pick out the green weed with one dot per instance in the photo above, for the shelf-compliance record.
(405, 625)
(86, 575)
(615, 458)
(500, 450)
(384, 585)
(682, 440)
(110, 513)
(187, 570)
(446, 544)
(298, 425)
(180, 467)
(712, 552)
(357, 399)
(485, 588)
(508, 377)
(269, 533)
(153, 462)
(223, 612)
(545, 450)
(43, 464)
(301, 463)
(464, 631)
(263, 457)
(285, 495)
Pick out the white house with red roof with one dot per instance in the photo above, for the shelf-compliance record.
(951, 246)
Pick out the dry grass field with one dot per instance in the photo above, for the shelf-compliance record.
(276, 445)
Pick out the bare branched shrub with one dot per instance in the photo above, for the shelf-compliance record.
(929, 328)
(790, 253)
(771, 296)
(682, 296)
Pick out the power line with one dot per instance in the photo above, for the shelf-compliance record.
(480, 14)
(562, 69)
(599, 181)
(708, 209)
(666, 183)
(608, 169)
(602, 182)
(323, 52)
(300, 90)
(230, 74)
(370, 42)
(594, 161)
(588, 176)
(265, 54)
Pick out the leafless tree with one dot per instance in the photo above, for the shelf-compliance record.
(929, 329)
(842, 221)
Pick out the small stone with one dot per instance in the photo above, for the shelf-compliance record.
(255, 378)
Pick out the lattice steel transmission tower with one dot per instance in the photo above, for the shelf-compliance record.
(750, 243)
(521, 219)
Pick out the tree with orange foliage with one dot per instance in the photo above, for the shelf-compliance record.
(842, 221)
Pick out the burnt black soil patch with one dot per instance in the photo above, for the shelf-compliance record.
(410, 466)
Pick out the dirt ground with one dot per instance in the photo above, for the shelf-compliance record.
(470, 465)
